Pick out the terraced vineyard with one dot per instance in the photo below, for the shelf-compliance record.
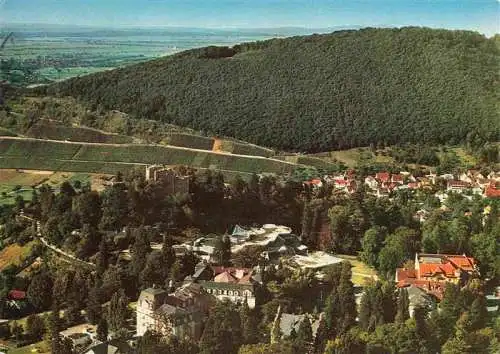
(110, 158)
(50, 130)
(190, 141)
(241, 148)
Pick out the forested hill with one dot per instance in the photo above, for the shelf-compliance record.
(319, 92)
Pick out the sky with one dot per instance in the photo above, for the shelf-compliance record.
(477, 15)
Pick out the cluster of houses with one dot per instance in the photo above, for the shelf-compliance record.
(382, 184)
(426, 280)
(164, 312)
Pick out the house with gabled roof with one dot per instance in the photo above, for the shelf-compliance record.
(432, 271)
(237, 285)
(383, 177)
(180, 313)
(492, 191)
(397, 178)
(457, 186)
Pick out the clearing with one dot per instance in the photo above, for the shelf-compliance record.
(361, 272)
(14, 254)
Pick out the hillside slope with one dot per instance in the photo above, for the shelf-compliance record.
(317, 93)
(53, 155)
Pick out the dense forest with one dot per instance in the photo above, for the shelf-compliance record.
(317, 93)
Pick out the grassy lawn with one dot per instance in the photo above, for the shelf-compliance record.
(361, 271)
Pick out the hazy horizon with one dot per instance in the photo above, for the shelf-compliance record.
(477, 15)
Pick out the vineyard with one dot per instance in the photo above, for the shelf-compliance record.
(84, 157)
(49, 130)
(241, 148)
(190, 141)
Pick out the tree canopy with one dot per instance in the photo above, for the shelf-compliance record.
(316, 93)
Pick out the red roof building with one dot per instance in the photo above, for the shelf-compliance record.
(17, 295)
(383, 177)
(232, 275)
(341, 182)
(397, 178)
(492, 191)
(315, 183)
(433, 271)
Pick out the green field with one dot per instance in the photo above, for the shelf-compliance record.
(49, 130)
(81, 157)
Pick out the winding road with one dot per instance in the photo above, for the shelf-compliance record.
(55, 248)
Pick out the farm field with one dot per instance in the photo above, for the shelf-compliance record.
(13, 254)
(81, 157)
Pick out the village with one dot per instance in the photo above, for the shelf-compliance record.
(247, 265)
